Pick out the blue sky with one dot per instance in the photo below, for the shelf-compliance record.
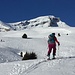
(18, 10)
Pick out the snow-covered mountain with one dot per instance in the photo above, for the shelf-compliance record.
(4, 26)
(12, 44)
(43, 21)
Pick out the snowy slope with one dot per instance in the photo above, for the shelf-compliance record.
(12, 44)
(42, 21)
(37, 30)
(4, 26)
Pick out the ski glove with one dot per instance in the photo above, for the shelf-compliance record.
(58, 44)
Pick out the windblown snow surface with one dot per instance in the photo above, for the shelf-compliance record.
(12, 44)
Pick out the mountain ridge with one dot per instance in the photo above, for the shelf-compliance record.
(42, 21)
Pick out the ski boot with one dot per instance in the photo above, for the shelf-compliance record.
(53, 57)
(48, 57)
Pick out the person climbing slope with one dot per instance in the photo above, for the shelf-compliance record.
(52, 45)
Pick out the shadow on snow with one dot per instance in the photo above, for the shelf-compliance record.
(70, 57)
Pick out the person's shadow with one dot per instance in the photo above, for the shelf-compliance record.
(70, 57)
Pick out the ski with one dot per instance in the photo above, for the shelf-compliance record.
(51, 59)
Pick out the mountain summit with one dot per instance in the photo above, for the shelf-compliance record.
(43, 21)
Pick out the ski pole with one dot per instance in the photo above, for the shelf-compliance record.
(58, 47)
(58, 50)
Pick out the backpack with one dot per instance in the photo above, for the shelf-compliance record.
(51, 38)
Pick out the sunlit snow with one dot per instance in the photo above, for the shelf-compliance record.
(12, 43)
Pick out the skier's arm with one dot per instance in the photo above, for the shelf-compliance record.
(57, 41)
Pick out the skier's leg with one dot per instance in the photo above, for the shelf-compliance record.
(54, 50)
(50, 49)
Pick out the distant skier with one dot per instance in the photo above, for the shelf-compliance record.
(52, 45)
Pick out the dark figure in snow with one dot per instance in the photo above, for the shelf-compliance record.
(52, 45)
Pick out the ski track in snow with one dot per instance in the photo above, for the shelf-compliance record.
(33, 67)
(23, 70)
